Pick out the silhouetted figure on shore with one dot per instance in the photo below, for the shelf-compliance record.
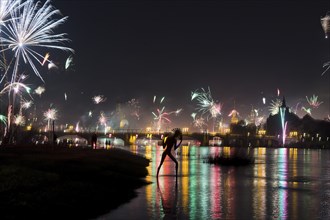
(168, 143)
(94, 140)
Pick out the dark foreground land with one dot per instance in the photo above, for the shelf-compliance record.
(52, 183)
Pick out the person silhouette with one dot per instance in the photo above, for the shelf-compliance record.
(94, 140)
(168, 143)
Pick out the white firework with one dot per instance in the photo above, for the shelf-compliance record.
(206, 104)
(6, 8)
(274, 106)
(50, 114)
(19, 120)
(39, 90)
(98, 99)
(32, 27)
(26, 104)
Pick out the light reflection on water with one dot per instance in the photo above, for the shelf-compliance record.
(282, 184)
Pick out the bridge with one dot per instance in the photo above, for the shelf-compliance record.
(130, 135)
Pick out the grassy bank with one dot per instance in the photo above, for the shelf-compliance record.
(51, 183)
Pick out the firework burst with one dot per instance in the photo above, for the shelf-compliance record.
(6, 8)
(40, 90)
(313, 102)
(32, 27)
(134, 106)
(50, 115)
(19, 120)
(98, 99)
(206, 104)
(274, 106)
(198, 122)
(3, 119)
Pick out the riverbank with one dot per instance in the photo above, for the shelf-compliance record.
(56, 183)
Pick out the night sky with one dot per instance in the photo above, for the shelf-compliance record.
(242, 50)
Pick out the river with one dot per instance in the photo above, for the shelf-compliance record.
(284, 183)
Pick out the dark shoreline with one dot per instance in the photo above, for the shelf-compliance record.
(47, 182)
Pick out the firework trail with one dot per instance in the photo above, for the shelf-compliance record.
(307, 110)
(162, 117)
(325, 23)
(16, 86)
(32, 27)
(68, 62)
(103, 121)
(6, 8)
(45, 59)
(327, 65)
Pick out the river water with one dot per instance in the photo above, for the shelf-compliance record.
(284, 183)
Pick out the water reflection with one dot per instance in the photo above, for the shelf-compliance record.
(282, 184)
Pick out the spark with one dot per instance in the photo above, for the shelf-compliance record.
(90, 114)
(19, 120)
(65, 97)
(39, 90)
(52, 65)
(312, 101)
(26, 104)
(68, 62)
(32, 27)
(45, 59)
(98, 99)
(278, 92)
(325, 23)
(264, 100)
